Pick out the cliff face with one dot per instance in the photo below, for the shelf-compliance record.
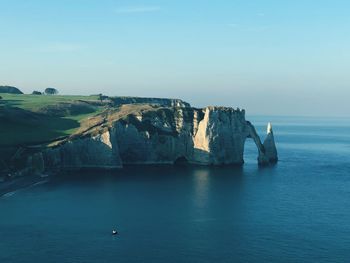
(91, 152)
(270, 146)
(160, 135)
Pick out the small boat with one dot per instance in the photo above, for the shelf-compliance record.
(114, 232)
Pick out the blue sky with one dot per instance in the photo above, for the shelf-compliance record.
(269, 57)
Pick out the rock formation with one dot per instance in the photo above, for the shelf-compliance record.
(98, 151)
(146, 134)
(270, 146)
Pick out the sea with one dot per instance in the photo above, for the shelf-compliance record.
(295, 211)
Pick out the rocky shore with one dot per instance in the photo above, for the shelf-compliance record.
(14, 184)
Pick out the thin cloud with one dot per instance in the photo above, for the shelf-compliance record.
(137, 9)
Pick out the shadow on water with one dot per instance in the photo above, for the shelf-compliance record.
(149, 173)
(202, 179)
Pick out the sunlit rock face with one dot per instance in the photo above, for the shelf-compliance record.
(163, 135)
(90, 152)
(220, 137)
(270, 145)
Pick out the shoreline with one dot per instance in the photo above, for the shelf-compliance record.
(20, 183)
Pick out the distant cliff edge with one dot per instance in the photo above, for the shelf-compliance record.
(152, 131)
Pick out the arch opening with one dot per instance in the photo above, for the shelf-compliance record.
(182, 160)
(250, 151)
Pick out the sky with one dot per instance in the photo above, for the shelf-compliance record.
(274, 57)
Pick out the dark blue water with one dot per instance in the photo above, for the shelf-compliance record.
(297, 211)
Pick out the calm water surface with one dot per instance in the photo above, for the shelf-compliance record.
(297, 211)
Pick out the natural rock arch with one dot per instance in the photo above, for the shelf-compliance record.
(181, 160)
(267, 152)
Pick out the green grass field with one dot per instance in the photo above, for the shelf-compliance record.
(35, 102)
(22, 120)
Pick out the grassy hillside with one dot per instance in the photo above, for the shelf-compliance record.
(31, 119)
(35, 102)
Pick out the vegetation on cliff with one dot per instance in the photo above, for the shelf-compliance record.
(87, 131)
(30, 119)
(10, 89)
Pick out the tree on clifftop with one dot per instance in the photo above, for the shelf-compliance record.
(51, 91)
(10, 89)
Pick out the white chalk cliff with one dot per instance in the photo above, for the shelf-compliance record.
(270, 145)
(146, 134)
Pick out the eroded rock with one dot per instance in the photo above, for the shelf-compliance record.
(163, 135)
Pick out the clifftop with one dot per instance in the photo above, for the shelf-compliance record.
(53, 117)
(156, 101)
(80, 132)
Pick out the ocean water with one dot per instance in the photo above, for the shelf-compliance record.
(296, 211)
